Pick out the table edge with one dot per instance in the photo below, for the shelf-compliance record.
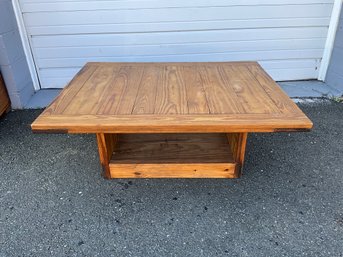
(170, 124)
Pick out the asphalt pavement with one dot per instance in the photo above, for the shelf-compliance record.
(289, 201)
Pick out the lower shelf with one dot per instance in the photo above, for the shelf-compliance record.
(173, 156)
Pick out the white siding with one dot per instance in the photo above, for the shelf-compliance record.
(286, 36)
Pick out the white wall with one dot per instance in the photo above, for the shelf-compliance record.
(13, 65)
(334, 75)
(286, 36)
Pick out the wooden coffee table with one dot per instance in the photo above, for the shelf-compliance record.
(172, 120)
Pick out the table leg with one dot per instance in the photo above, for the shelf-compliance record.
(237, 143)
(106, 145)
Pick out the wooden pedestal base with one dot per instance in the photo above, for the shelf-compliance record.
(172, 155)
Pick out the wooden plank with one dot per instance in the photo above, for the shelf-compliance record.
(120, 99)
(93, 92)
(170, 124)
(220, 97)
(128, 96)
(213, 138)
(237, 142)
(174, 170)
(115, 92)
(161, 152)
(172, 64)
(196, 97)
(280, 98)
(158, 148)
(68, 93)
(146, 95)
(252, 97)
(168, 156)
(106, 145)
(164, 98)
(125, 103)
(4, 100)
(171, 94)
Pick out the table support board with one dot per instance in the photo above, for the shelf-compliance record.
(216, 155)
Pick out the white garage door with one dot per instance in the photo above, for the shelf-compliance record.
(287, 37)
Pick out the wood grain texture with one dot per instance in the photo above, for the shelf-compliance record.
(172, 97)
(106, 145)
(96, 87)
(171, 93)
(62, 101)
(196, 96)
(146, 95)
(237, 142)
(174, 170)
(172, 148)
(172, 156)
(251, 95)
(276, 94)
(4, 100)
(170, 124)
(135, 99)
(221, 98)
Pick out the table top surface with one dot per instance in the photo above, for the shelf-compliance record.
(171, 97)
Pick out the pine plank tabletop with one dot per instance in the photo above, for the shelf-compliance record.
(172, 98)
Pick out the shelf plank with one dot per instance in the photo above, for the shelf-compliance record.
(160, 148)
(172, 155)
(174, 170)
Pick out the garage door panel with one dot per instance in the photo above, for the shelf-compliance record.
(294, 63)
(167, 49)
(279, 69)
(267, 64)
(221, 56)
(175, 14)
(65, 5)
(59, 72)
(286, 36)
(59, 82)
(178, 37)
(177, 26)
(297, 74)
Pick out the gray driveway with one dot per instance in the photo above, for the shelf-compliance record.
(289, 202)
